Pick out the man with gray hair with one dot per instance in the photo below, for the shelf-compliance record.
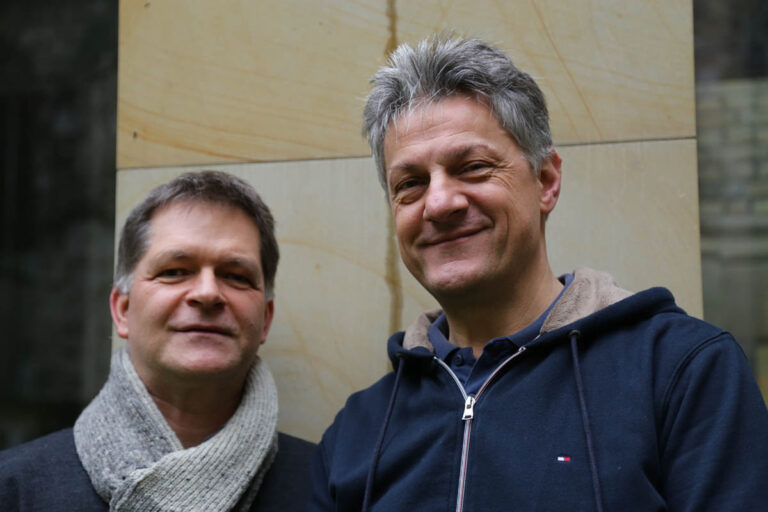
(526, 391)
(187, 419)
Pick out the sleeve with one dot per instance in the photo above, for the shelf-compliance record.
(321, 498)
(714, 435)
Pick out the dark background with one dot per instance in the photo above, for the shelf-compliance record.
(58, 98)
(57, 138)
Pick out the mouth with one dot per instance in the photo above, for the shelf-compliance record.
(453, 236)
(205, 328)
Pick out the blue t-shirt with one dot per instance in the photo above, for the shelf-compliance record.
(474, 372)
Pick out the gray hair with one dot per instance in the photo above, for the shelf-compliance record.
(445, 65)
(207, 186)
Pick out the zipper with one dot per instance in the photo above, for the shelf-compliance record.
(468, 414)
(469, 408)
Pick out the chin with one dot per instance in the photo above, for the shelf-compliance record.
(453, 278)
(206, 365)
(450, 288)
(461, 287)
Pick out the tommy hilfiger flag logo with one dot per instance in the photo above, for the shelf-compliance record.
(563, 458)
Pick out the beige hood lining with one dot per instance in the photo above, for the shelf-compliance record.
(590, 291)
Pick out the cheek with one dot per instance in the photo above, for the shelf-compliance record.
(515, 199)
(153, 311)
(515, 182)
(406, 222)
(249, 312)
(405, 235)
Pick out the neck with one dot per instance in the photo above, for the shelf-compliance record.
(196, 411)
(473, 322)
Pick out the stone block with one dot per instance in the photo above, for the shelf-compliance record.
(215, 82)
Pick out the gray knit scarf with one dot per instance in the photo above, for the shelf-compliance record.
(136, 462)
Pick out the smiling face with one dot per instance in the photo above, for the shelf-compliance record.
(468, 210)
(197, 305)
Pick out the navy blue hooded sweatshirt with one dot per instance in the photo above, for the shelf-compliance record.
(622, 403)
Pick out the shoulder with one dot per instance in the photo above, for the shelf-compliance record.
(46, 474)
(363, 410)
(692, 353)
(652, 319)
(286, 484)
(700, 368)
(47, 445)
(653, 340)
(40, 456)
(683, 343)
(357, 425)
(293, 449)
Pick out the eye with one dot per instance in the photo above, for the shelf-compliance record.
(408, 188)
(406, 184)
(172, 272)
(475, 167)
(239, 279)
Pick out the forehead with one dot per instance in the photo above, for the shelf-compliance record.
(455, 108)
(440, 126)
(202, 226)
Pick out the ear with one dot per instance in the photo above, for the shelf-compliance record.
(550, 175)
(118, 306)
(269, 313)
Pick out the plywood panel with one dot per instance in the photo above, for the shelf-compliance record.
(238, 81)
(341, 289)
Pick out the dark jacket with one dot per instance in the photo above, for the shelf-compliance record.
(621, 404)
(45, 475)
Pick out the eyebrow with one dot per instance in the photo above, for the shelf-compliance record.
(246, 263)
(172, 255)
(461, 152)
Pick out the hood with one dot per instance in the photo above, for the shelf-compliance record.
(590, 292)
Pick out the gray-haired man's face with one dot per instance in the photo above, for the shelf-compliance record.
(468, 211)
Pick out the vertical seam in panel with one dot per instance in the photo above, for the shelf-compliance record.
(393, 272)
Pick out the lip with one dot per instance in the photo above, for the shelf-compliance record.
(205, 328)
(452, 236)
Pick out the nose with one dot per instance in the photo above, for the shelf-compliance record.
(445, 199)
(205, 291)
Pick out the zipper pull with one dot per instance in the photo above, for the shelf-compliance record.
(469, 408)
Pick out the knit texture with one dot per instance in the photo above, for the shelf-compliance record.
(136, 462)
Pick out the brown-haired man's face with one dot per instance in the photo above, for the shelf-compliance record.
(197, 305)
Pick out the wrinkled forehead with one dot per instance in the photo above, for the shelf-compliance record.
(197, 212)
(436, 114)
(444, 120)
(191, 206)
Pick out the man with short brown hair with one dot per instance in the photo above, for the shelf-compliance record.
(188, 417)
